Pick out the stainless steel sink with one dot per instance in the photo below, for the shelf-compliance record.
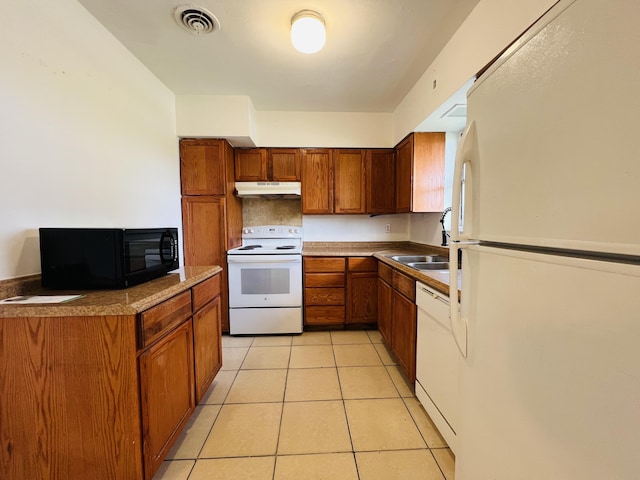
(410, 259)
(428, 265)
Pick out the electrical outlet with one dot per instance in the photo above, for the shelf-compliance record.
(387, 228)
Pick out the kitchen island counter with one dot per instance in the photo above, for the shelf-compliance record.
(128, 301)
(105, 383)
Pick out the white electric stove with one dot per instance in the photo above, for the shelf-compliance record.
(265, 281)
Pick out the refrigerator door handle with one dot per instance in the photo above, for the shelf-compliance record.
(464, 156)
(458, 323)
(460, 240)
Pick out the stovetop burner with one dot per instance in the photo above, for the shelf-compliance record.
(250, 247)
(286, 247)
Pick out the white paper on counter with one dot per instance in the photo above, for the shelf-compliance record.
(33, 299)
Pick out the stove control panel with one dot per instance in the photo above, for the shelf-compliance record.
(272, 231)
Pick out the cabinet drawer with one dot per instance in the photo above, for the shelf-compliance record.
(324, 280)
(325, 315)
(161, 318)
(385, 272)
(362, 264)
(324, 264)
(405, 285)
(205, 291)
(324, 296)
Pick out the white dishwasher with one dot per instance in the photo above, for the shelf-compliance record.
(437, 361)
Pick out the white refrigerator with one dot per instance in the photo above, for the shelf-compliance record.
(547, 215)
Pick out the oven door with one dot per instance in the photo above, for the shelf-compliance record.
(265, 280)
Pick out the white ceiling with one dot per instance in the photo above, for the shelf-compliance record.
(376, 49)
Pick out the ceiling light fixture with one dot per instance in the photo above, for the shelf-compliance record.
(308, 34)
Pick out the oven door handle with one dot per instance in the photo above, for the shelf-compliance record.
(261, 259)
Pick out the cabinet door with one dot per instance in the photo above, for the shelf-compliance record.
(349, 181)
(385, 296)
(207, 345)
(203, 169)
(428, 172)
(203, 220)
(317, 181)
(362, 304)
(283, 164)
(380, 181)
(404, 324)
(167, 394)
(404, 156)
(250, 164)
(420, 173)
(205, 242)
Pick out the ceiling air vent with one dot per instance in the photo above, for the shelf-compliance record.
(459, 110)
(196, 20)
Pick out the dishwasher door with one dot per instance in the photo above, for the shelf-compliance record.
(437, 361)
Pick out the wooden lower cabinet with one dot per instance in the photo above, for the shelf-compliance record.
(340, 292)
(362, 291)
(385, 299)
(105, 396)
(397, 317)
(207, 347)
(403, 325)
(324, 291)
(167, 391)
(69, 398)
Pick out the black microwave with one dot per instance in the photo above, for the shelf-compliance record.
(105, 258)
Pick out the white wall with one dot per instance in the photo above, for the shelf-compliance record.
(221, 116)
(87, 134)
(488, 29)
(324, 129)
(235, 119)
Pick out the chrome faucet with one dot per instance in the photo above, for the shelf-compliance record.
(444, 231)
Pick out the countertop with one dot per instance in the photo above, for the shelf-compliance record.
(437, 279)
(128, 301)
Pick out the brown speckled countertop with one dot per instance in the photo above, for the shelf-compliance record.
(438, 279)
(128, 301)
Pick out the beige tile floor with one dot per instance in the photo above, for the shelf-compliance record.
(318, 406)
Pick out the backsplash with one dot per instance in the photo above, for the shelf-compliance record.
(419, 228)
(259, 211)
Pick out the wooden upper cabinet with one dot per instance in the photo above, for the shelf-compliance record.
(267, 164)
(203, 166)
(317, 181)
(404, 155)
(283, 164)
(380, 180)
(349, 181)
(420, 173)
(251, 164)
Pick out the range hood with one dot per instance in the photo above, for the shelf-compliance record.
(268, 189)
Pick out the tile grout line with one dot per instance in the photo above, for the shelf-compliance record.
(344, 408)
(284, 395)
